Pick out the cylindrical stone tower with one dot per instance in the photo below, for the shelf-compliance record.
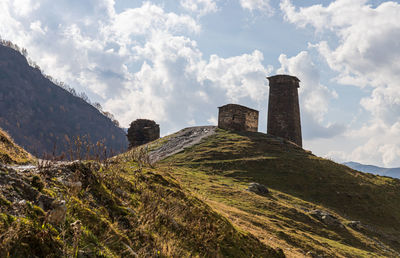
(283, 108)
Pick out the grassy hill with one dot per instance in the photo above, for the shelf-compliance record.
(196, 203)
(113, 208)
(220, 168)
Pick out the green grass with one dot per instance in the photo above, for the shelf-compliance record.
(299, 180)
(124, 210)
(196, 204)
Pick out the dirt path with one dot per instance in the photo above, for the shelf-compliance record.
(183, 139)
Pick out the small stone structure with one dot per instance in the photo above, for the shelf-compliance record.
(237, 118)
(142, 131)
(283, 108)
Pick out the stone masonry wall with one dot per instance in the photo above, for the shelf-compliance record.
(238, 118)
(283, 108)
(142, 131)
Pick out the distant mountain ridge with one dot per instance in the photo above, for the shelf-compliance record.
(392, 172)
(45, 118)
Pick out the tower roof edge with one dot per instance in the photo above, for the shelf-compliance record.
(280, 78)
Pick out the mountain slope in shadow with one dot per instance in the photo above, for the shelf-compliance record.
(43, 117)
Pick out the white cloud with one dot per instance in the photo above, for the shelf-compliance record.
(381, 144)
(241, 76)
(37, 27)
(176, 86)
(257, 5)
(314, 97)
(213, 120)
(139, 63)
(148, 18)
(366, 54)
(24, 7)
(200, 7)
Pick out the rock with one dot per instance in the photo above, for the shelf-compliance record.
(57, 215)
(258, 189)
(185, 138)
(45, 202)
(326, 218)
(312, 254)
(74, 187)
(280, 253)
(355, 225)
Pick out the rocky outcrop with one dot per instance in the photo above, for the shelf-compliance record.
(326, 218)
(258, 189)
(177, 142)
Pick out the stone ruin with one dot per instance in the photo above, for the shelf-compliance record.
(237, 118)
(142, 131)
(283, 108)
(283, 111)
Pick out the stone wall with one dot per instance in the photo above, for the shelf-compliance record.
(237, 118)
(142, 131)
(283, 108)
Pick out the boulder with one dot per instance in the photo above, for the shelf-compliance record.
(74, 187)
(355, 225)
(57, 215)
(326, 218)
(45, 202)
(258, 189)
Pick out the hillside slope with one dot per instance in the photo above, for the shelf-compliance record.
(11, 153)
(198, 203)
(42, 116)
(315, 206)
(113, 209)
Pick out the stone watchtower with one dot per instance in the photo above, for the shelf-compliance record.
(142, 131)
(283, 108)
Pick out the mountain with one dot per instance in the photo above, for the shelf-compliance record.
(392, 172)
(45, 118)
(201, 192)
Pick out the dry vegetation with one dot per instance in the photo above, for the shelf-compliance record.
(196, 204)
(219, 170)
(11, 153)
(120, 207)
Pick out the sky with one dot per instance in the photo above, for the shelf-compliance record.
(176, 61)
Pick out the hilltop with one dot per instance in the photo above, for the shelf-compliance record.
(45, 118)
(189, 194)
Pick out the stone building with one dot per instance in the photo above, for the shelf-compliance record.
(283, 108)
(142, 131)
(237, 118)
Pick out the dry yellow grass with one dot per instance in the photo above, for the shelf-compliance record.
(10, 152)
